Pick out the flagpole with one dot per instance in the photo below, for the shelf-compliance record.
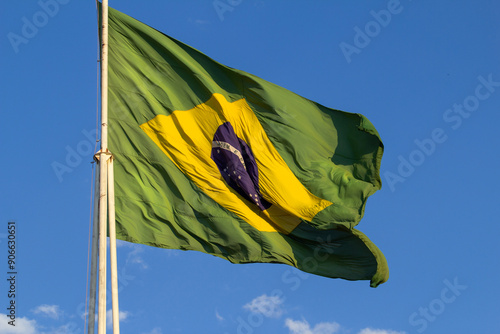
(93, 258)
(103, 157)
(112, 248)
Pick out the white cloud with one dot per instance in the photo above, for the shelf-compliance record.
(122, 315)
(156, 330)
(22, 326)
(69, 328)
(218, 316)
(51, 311)
(303, 327)
(133, 257)
(269, 306)
(378, 331)
(84, 315)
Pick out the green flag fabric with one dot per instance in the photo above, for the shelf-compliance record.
(213, 159)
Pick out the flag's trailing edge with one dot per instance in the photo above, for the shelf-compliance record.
(213, 159)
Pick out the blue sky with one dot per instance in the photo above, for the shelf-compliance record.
(425, 73)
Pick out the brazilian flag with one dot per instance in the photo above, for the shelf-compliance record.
(213, 159)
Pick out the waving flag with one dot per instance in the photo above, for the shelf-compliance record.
(213, 159)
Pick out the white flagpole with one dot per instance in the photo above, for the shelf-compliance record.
(112, 248)
(93, 261)
(103, 158)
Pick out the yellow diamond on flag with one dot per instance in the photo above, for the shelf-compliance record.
(187, 138)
